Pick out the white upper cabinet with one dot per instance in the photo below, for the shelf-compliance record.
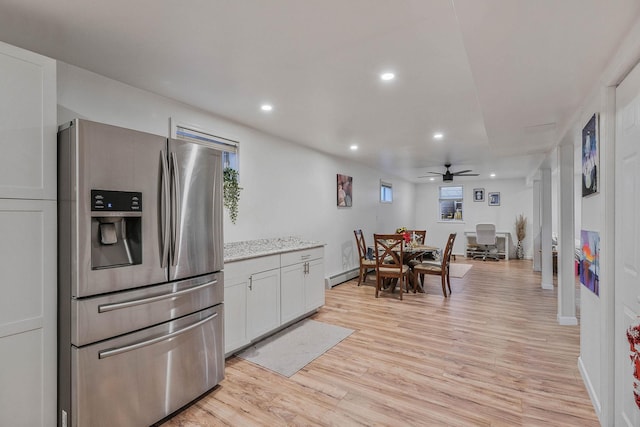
(28, 125)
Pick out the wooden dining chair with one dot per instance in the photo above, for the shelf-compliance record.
(421, 235)
(436, 268)
(366, 265)
(389, 255)
(421, 239)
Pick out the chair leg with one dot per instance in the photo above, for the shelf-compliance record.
(360, 276)
(444, 289)
(377, 285)
(449, 281)
(400, 285)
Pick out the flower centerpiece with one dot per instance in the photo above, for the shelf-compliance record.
(405, 234)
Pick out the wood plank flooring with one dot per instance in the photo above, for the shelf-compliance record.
(492, 354)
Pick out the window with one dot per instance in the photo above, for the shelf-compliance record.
(228, 147)
(451, 203)
(386, 192)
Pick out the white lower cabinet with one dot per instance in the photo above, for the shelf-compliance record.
(263, 303)
(251, 300)
(302, 282)
(263, 294)
(235, 313)
(292, 292)
(314, 285)
(252, 307)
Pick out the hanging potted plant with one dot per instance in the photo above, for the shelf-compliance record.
(521, 233)
(231, 190)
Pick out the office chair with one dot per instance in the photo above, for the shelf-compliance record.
(486, 236)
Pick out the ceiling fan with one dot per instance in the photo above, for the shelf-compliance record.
(448, 175)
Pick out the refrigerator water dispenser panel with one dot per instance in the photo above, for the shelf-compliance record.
(118, 201)
(116, 228)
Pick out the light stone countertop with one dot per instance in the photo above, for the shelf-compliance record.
(237, 251)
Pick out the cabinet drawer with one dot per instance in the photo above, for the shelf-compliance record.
(250, 266)
(296, 257)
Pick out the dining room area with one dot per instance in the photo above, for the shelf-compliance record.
(400, 260)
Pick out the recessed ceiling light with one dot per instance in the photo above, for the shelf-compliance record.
(266, 107)
(432, 179)
(387, 76)
(438, 135)
(353, 147)
(493, 175)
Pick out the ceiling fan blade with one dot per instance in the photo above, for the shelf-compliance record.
(461, 172)
(466, 174)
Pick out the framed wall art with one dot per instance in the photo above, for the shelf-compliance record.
(345, 190)
(494, 199)
(590, 260)
(590, 157)
(478, 194)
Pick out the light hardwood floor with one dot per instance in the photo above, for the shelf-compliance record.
(492, 354)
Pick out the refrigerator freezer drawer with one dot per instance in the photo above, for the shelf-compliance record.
(99, 318)
(140, 378)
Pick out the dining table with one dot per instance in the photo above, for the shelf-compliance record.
(410, 252)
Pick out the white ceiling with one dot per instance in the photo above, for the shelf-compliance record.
(500, 78)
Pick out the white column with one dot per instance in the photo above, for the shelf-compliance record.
(566, 271)
(545, 235)
(535, 226)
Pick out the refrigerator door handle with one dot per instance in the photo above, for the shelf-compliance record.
(115, 351)
(164, 211)
(103, 308)
(176, 213)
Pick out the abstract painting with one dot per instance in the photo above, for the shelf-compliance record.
(590, 260)
(590, 157)
(345, 190)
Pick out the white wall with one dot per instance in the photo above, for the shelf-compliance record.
(597, 313)
(516, 198)
(287, 189)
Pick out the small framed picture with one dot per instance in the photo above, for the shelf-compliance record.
(494, 199)
(478, 194)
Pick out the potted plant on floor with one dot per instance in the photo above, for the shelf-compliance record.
(521, 233)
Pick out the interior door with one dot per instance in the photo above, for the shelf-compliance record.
(627, 268)
(196, 194)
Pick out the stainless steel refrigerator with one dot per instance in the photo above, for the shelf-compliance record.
(140, 282)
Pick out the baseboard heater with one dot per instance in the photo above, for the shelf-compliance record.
(336, 279)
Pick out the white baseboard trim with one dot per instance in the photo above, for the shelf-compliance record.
(547, 285)
(589, 386)
(567, 320)
(336, 279)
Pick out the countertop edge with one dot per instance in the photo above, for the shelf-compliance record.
(277, 251)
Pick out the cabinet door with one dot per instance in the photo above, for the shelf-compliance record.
(314, 285)
(28, 124)
(235, 313)
(292, 291)
(263, 303)
(27, 312)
